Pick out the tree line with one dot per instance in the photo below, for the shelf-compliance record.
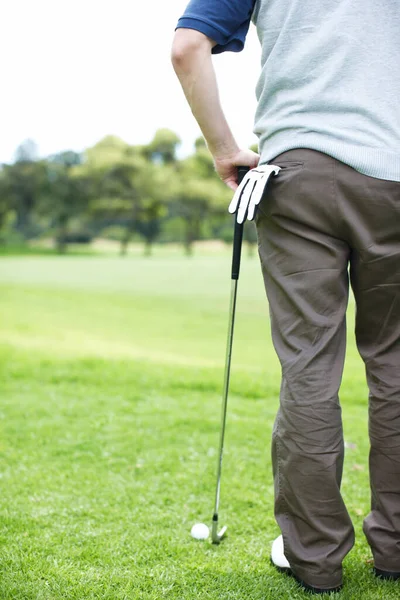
(118, 191)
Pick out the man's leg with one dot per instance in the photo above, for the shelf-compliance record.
(304, 263)
(375, 276)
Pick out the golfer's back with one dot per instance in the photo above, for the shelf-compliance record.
(330, 81)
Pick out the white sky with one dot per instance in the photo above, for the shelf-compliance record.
(76, 70)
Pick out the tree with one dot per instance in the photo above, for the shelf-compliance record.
(134, 184)
(156, 184)
(255, 148)
(200, 144)
(200, 193)
(120, 185)
(163, 147)
(5, 202)
(106, 152)
(203, 162)
(27, 152)
(67, 194)
(23, 183)
(115, 168)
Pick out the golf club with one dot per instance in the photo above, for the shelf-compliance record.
(237, 250)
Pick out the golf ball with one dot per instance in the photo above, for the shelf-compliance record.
(200, 531)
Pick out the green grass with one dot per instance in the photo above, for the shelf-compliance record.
(110, 387)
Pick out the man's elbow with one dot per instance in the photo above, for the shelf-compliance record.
(188, 44)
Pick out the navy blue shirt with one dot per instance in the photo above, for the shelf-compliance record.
(224, 21)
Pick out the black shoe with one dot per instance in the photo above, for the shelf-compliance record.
(386, 574)
(306, 587)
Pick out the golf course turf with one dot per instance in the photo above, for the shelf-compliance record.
(110, 389)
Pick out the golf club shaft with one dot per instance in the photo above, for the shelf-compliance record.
(236, 255)
(232, 311)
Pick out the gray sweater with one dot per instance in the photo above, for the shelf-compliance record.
(330, 81)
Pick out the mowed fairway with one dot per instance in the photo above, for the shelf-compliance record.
(110, 392)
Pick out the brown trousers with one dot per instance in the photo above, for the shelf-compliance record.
(321, 224)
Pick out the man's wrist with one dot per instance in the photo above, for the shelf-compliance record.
(224, 150)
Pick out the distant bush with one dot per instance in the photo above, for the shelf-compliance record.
(77, 237)
(173, 230)
(116, 233)
(113, 232)
(11, 238)
(226, 233)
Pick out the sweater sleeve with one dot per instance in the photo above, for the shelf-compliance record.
(224, 21)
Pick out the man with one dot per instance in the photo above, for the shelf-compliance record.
(329, 116)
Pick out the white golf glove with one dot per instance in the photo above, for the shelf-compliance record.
(249, 193)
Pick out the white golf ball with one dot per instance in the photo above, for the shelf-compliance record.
(200, 531)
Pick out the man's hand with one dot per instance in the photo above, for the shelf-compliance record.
(249, 193)
(226, 166)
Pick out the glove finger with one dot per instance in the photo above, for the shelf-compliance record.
(259, 191)
(245, 200)
(251, 210)
(239, 211)
(255, 198)
(250, 204)
(236, 197)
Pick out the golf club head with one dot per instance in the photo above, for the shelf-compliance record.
(216, 535)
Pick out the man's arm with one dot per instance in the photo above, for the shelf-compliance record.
(191, 58)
